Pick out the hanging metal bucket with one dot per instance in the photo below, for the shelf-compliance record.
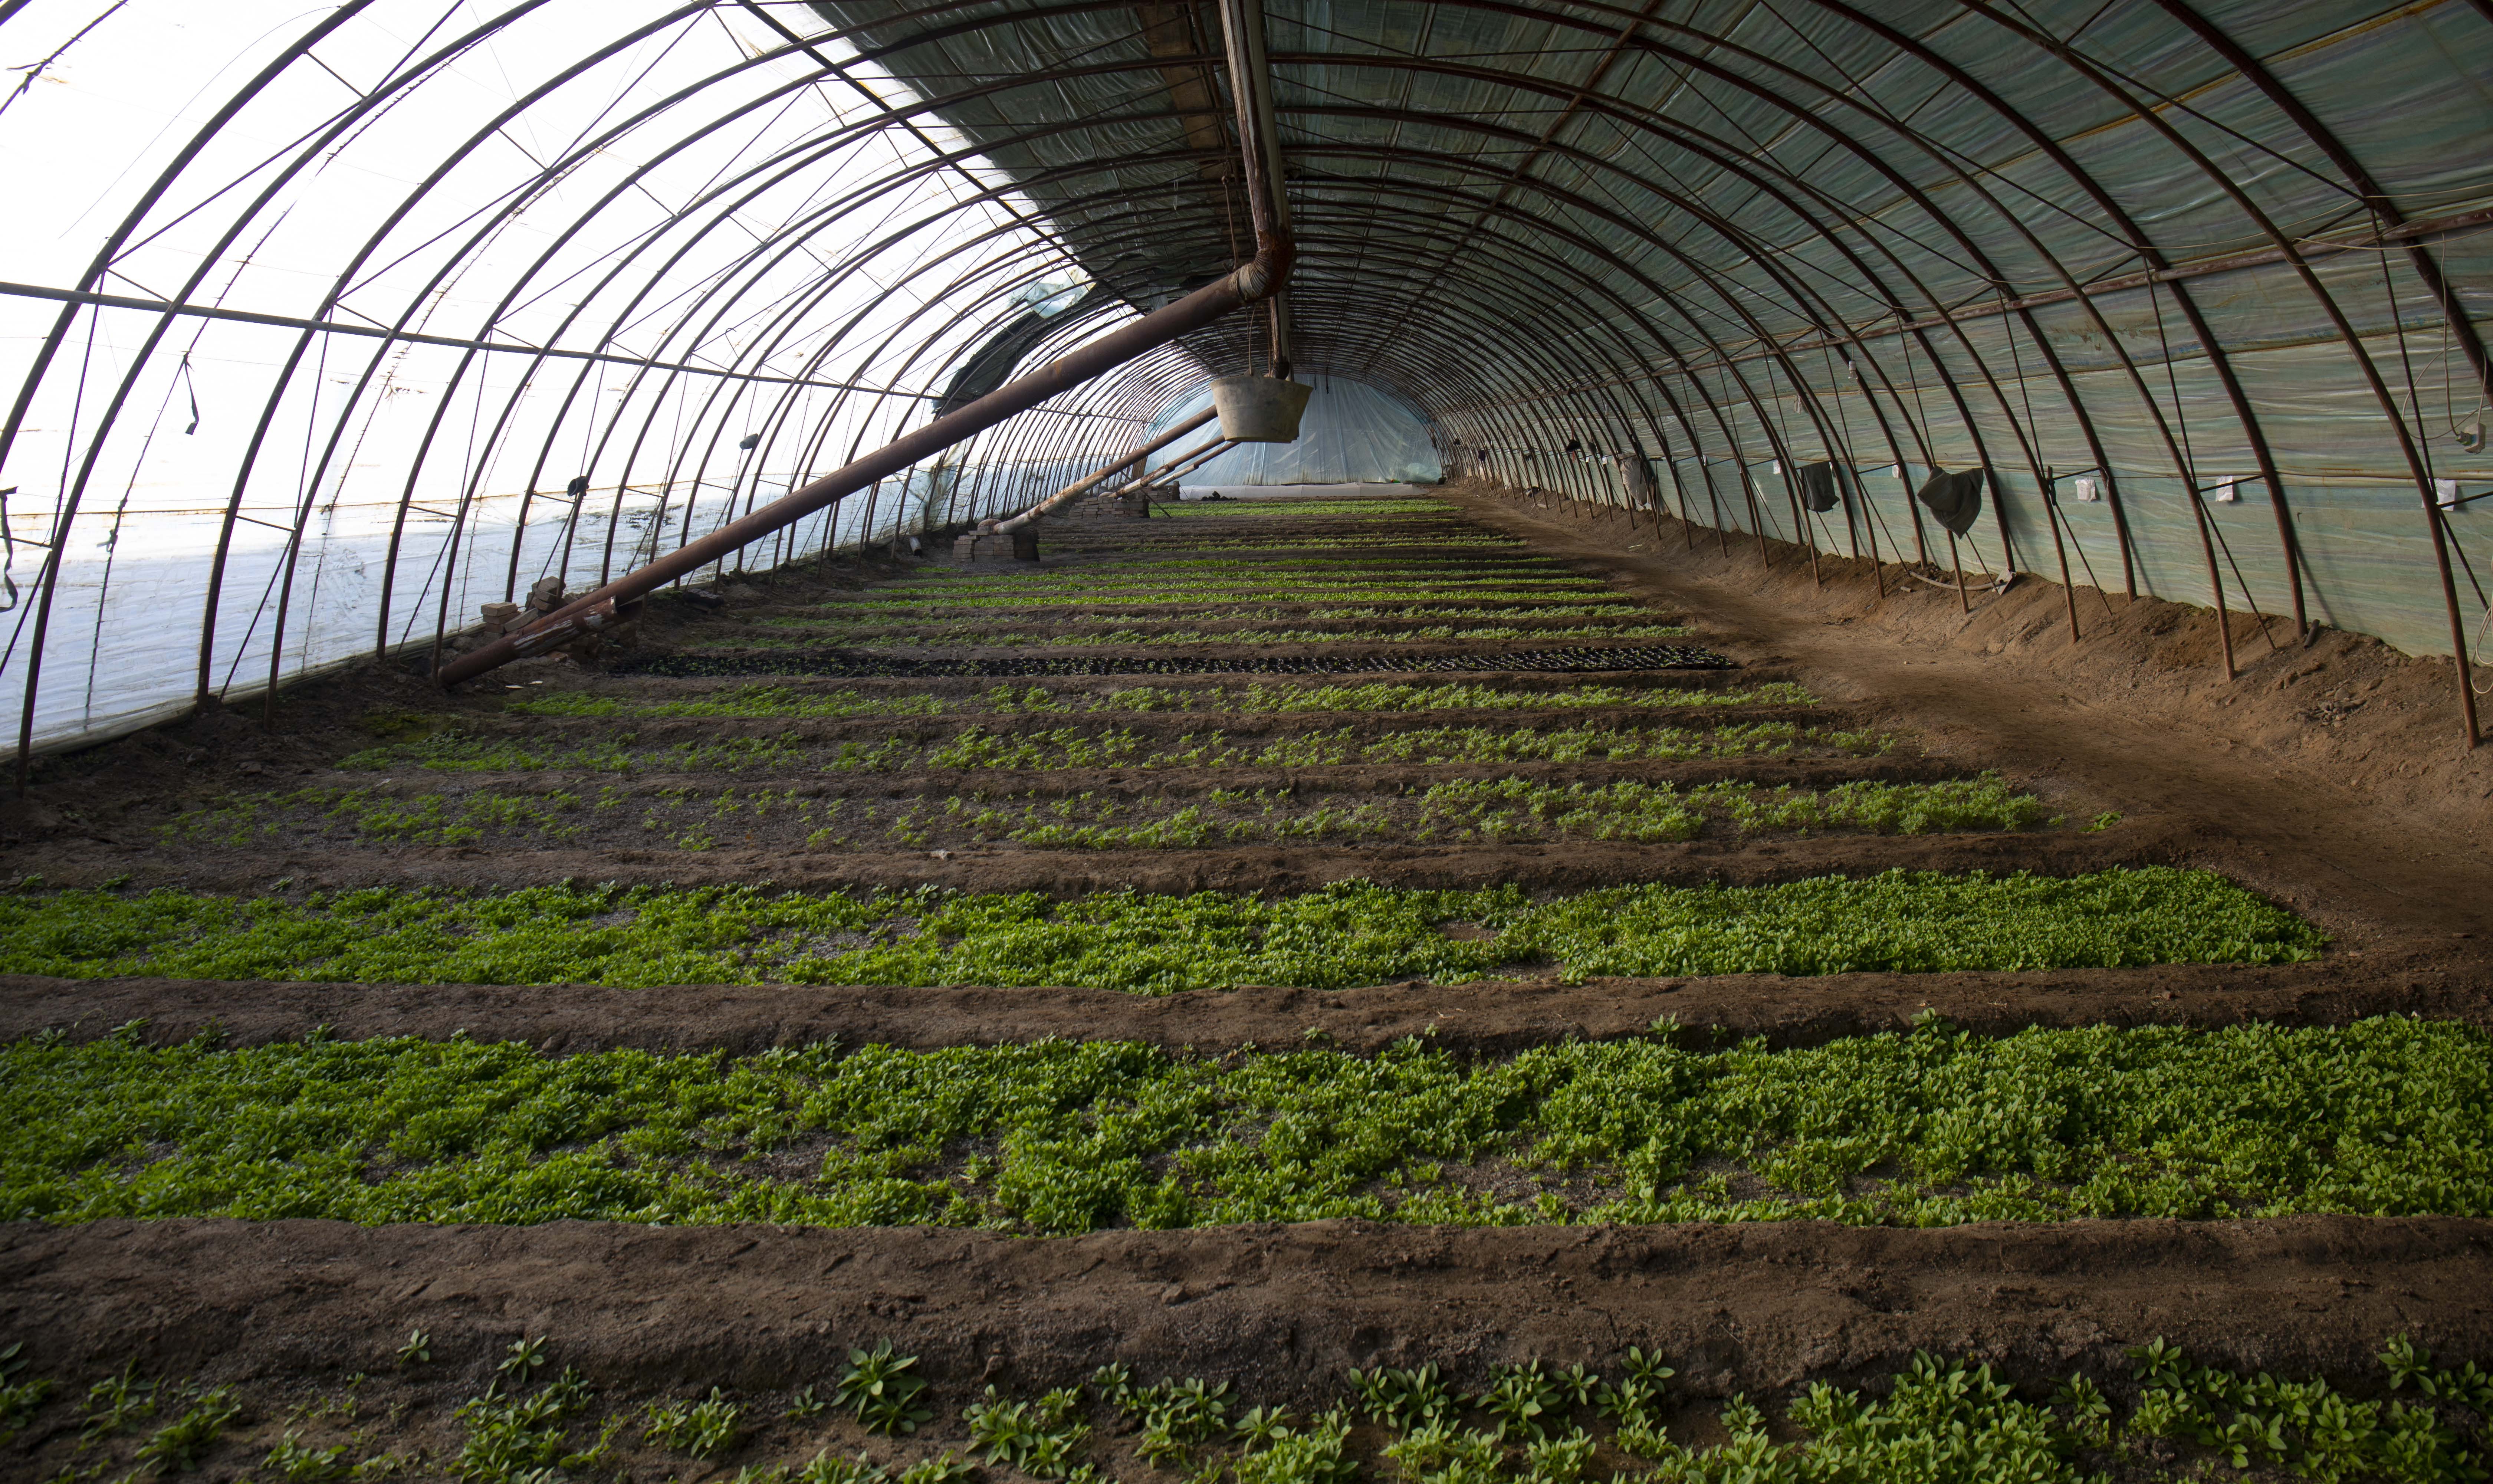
(1259, 410)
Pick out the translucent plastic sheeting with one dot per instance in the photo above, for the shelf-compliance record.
(1351, 432)
(682, 268)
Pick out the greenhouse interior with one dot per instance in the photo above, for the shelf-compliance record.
(1246, 742)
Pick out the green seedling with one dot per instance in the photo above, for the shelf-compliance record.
(522, 1359)
(114, 1403)
(298, 1463)
(703, 1429)
(19, 1398)
(418, 1348)
(179, 1444)
(1038, 1437)
(879, 1388)
(1525, 1400)
(1405, 1401)
(806, 1402)
(512, 1439)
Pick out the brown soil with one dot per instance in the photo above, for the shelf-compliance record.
(1493, 1017)
(1284, 866)
(1278, 1311)
(2342, 761)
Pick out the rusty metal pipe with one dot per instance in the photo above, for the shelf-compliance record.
(1252, 282)
(1189, 463)
(1089, 483)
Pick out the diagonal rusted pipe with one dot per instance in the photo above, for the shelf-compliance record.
(1252, 282)
(1079, 487)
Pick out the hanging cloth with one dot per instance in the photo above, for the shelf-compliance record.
(1818, 487)
(1954, 498)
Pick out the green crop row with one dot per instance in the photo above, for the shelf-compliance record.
(1496, 811)
(1534, 1422)
(1380, 696)
(1493, 604)
(1428, 543)
(985, 635)
(1586, 606)
(776, 701)
(1463, 810)
(1928, 1127)
(452, 751)
(1557, 587)
(783, 701)
(1342, 935)
(1275, 507)
(1065, 747)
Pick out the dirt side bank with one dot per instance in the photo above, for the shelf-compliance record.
(2342, 761)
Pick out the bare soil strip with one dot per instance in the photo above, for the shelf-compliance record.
(1278, 1311)
(1489, 1018)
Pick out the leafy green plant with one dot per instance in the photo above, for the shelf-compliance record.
(298, 1463)
(417, 1350)
(1405, 1401)
(516, 1440)
(1628, 1402)
(1525, 1400)
(1277, 1453)
(703, 1429)
(1039, 1438)
(522, 1359)
(1176, 1415)
(1443, 1453)
(114, 1403)
(19, 1398)
(805, 1402)
(879, 1389)
(180, 1443)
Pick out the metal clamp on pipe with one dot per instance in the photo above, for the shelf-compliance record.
(1241, 23)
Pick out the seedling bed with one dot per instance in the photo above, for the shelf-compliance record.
(550, 881)
(1178, 1352)
(1588, 659)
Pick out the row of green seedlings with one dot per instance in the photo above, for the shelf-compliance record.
(974, 747)
(986, 636)
(1390, 541)
(1082, 612)
(1421, 601)
(1552, 583)
(1939, 1421)
(1258, 699)
(1430, 604)
(513, 1434)
(1381, 506)
(1452, 812)
(1933, 1127)
(1531, 1424)
(1344, 934)
(1162, 627)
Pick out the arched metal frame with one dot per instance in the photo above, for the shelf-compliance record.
(1843, 278)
